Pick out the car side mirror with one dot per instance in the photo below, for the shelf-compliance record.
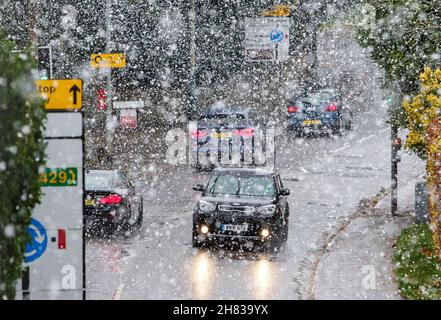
(198, 187)
(284, 192)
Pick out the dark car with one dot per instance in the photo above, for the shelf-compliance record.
(232, 130)
(110, 200)
(245, 207)
(320, 111)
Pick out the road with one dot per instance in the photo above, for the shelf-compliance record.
(328, 177)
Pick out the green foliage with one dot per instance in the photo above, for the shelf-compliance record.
(403, 37)
(418, 269)
(21, 155)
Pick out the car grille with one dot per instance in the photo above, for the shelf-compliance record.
(231, 208)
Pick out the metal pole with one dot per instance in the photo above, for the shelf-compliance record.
(394, 169)
(108, 73)
(192, 59)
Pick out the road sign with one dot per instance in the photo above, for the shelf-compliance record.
(64, 125)
(36, 247)
(61, 94)
(280, 10)
(102, 97)
(108, 60)
(276, 36)
(58, 273)
(128, 118)
(267, 39)
(128, 104)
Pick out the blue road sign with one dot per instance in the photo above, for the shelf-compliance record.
(276, 36)
(37, 246)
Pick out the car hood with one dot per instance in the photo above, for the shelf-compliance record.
(239, 200)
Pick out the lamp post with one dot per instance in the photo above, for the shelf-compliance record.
(108, 75)
(192, 58)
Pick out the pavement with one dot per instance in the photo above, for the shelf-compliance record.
(357, 263)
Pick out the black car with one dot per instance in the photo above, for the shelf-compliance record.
(245, 207)
(320, 111)
(110, 200)
(232, 129)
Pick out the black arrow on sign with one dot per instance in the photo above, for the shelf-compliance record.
(74, 89)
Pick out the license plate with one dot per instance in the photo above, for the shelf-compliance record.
(89, 202)
(311, 122)
(235, 227)
(221, 135)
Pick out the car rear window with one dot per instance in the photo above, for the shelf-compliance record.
(98, 181)
(248, 185)
(226, 120)
(316, 98)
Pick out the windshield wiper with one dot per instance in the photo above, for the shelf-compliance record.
(238, 189)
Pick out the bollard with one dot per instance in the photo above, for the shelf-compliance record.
(421, 202)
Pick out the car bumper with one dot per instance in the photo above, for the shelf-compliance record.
(97, 216)
(298, 124)
(252, 237)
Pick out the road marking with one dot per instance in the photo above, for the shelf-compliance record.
(118, 292)
(366, 138)
(304, 170)
(358, 141)
(340, 149)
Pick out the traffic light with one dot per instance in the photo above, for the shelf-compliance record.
(44, 58)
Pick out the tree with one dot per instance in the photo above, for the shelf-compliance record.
(403, 36)
(422, 109)
(21, 157)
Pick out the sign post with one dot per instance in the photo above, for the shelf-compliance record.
(55, 256)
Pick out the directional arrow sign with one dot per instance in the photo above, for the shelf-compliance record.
(38, 241)
(61, 94)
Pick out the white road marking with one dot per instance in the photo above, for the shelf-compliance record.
(366, 138)
(304, 170)
(358, 141)
(340, 149)
(118, 292)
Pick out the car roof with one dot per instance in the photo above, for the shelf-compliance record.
(246, 170)
(222, 109)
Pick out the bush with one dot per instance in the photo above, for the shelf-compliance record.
(418, 269)
(422, 110)
(21, 157)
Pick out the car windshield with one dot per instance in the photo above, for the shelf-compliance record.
(216, 120)
(96, 181)
(247, 185)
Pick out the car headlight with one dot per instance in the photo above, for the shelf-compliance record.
(205, 206)
(267, 210)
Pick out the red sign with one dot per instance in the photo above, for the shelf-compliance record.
(102, 105)
(127, 118)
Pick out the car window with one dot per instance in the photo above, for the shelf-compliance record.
(98, 182)
(120, 181)
(216, 120)
(248, 185)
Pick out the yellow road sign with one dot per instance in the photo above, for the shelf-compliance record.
(280, 10)
(108, 60)
(61, 94)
